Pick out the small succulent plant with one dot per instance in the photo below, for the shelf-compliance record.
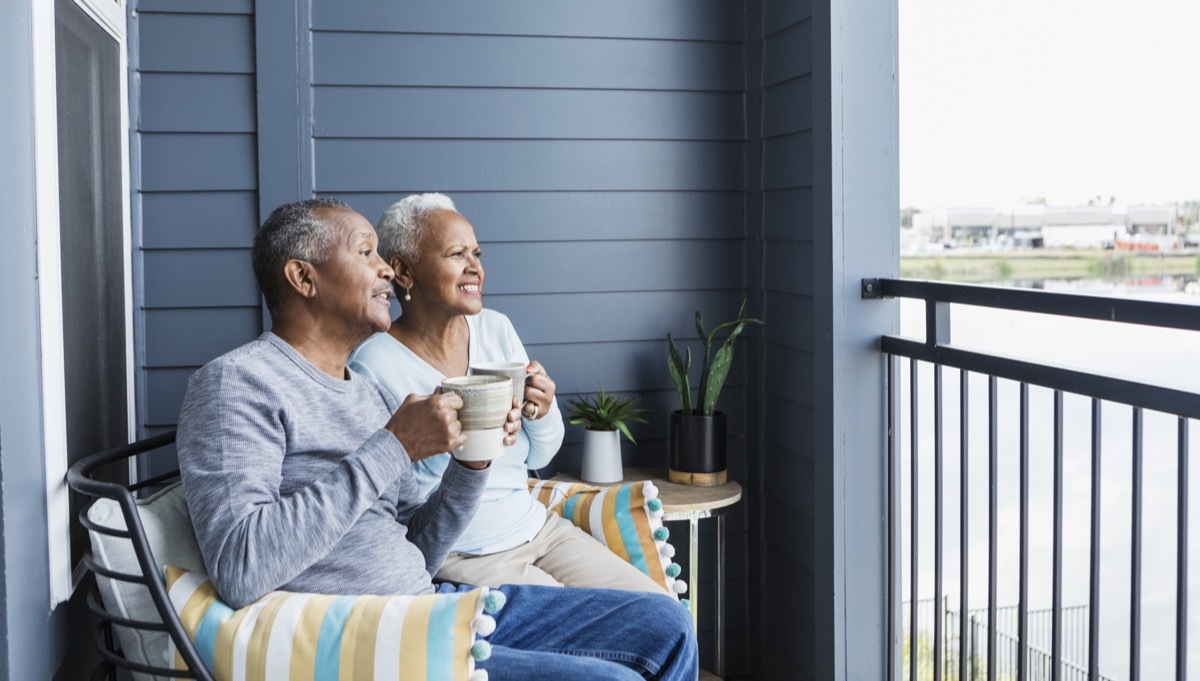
(715, 368)
(605, 411)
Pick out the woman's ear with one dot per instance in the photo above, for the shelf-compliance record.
(299, 275)
(404, 275)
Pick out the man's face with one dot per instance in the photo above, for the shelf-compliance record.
(353, 284)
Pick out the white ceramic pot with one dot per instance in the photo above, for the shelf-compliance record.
(601, 457)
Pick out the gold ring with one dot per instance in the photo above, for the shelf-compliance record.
(534, 415)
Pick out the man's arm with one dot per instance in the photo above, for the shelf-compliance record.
(231, 446)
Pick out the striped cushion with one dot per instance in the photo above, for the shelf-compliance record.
(310, 636)
(626, 518)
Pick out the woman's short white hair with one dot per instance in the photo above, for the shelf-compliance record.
(399, 228)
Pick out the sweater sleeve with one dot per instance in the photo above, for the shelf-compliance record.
(231, 444)
(434, 526)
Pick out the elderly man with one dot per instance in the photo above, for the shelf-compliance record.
(298, 472)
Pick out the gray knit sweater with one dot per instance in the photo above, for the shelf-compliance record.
(293, 483)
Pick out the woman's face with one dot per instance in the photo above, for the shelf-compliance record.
(449, 273)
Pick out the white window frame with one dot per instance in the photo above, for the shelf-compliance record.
(110, 16)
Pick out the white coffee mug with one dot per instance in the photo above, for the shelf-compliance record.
(486, 403)
(517, 371)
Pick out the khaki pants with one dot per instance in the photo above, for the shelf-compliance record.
(559, 555)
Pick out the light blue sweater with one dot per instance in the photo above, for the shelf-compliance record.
(508, 515)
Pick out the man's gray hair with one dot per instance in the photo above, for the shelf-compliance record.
(293, 231)
(401, 225)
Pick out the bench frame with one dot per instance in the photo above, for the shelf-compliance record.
(80, 478)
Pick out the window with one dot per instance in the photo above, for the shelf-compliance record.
(83, 253)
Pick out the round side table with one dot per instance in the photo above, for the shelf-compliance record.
(693, 504)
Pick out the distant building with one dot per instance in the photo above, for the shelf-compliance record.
(1138, 227)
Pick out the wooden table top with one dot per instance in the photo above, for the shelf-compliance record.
(677, 498)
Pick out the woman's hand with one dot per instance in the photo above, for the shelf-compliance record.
(513, 424)
(539, 392)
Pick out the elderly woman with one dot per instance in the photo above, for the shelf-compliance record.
(443, 328)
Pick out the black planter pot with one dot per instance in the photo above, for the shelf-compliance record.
(697, 449)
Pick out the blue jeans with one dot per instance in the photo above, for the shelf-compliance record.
(554, 633)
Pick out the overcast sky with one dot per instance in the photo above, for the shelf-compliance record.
(1002, 102)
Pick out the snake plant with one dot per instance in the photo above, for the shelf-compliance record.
(715, 368)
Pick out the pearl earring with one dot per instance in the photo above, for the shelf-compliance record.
(407, 295)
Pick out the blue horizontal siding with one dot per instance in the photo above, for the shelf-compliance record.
(788, 214)
(788, 54)
(791, 320)
(196, 278)
(512, 216)
(527, 165)
(788, 428)
(487, 61)
(779, 15)
(615, 316)
(481, 113)
(181, 220)
(193, 7)
(787, 161)
(791, 373)
(664, 19)
(190, 337)
(608, 266)
(788, 266)
(196, 43)
(632, 366)
(198, 162)
(164, 395)
(197, 102)
(787, 107)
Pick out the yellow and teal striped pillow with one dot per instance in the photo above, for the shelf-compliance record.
(311, 636)
(626, 518)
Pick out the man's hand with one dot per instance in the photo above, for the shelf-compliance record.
(428, 424)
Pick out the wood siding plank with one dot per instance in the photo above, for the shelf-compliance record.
(482, 113)
(791, 320)
(194, 43)
(195, 278)
(189, 338)
(787, 107)
(578, 266)
(515, 216)
(164, 395)
(197, 102)
(788, 54)
(198, 162)
(788, 267)
(527, 165)
(788, 214)
(791, 374)
(179, 220)
(145, 7)
(780, 14)
(489, 61)
(786, 161)
(666, 19)
(615, 316)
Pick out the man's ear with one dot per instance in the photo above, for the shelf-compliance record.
(404, 276)
(299, 275)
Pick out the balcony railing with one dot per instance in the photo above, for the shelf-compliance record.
(976, 646)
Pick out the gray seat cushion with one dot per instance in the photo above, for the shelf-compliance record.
(172, 541)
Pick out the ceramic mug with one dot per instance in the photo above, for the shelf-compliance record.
(486, 403)
(517, 371)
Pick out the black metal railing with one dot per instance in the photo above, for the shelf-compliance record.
(975, 646)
